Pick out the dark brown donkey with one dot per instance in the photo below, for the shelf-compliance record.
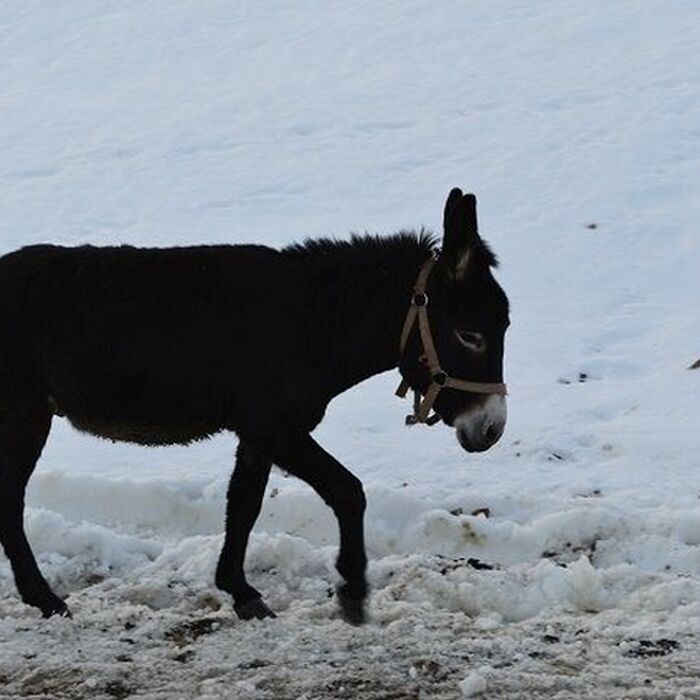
(164, 346)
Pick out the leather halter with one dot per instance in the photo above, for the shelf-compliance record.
(439, 379)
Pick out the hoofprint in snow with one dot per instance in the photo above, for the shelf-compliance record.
(566, 561)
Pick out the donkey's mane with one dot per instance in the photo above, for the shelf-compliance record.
(360, 244)
(422, 241)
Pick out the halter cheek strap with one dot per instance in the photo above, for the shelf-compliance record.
(439, 378)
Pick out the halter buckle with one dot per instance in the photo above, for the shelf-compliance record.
(420, 299)
(440, 378)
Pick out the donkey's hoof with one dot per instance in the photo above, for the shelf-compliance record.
(352, 607)
(56, 608)
(253, 610)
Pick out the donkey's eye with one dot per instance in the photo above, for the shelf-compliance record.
(474, 342)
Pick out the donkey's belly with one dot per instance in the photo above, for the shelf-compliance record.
(146, 410)
(143, 433)
(141, 422)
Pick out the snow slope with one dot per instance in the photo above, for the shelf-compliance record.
(576, 124)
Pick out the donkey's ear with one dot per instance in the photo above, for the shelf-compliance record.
(452, 199)
(461, 233)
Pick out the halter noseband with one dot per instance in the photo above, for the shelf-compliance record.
(439, 378)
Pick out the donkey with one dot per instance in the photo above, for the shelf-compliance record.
(165, 346)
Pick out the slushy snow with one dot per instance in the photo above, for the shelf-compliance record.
(566, 560)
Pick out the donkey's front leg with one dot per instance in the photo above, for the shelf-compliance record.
(301, 456)
(244, 499)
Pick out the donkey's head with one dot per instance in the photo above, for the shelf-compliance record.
(467, 317)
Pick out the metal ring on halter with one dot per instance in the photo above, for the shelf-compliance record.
(440, 378)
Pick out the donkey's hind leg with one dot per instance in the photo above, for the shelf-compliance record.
(23, 430)
(244, 499)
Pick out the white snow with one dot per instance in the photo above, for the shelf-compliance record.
(474, 684)
(577, 126)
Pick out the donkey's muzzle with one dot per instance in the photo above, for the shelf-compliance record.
(488, 438)
(481, 428)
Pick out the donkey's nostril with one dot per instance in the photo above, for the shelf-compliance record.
(492, 434)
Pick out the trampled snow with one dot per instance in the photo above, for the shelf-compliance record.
(565, 562)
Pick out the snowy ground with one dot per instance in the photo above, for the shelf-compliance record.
(577, 126)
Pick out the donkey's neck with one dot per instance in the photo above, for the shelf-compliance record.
(367, 297)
